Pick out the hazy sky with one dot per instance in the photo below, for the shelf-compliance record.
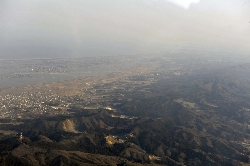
(63, 28)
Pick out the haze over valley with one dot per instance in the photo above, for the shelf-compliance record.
(135, 82)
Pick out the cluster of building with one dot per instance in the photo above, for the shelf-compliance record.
(29, 104)
(96, 95)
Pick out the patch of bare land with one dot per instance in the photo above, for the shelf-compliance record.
(187, 104)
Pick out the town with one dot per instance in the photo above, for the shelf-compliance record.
(88, 92)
